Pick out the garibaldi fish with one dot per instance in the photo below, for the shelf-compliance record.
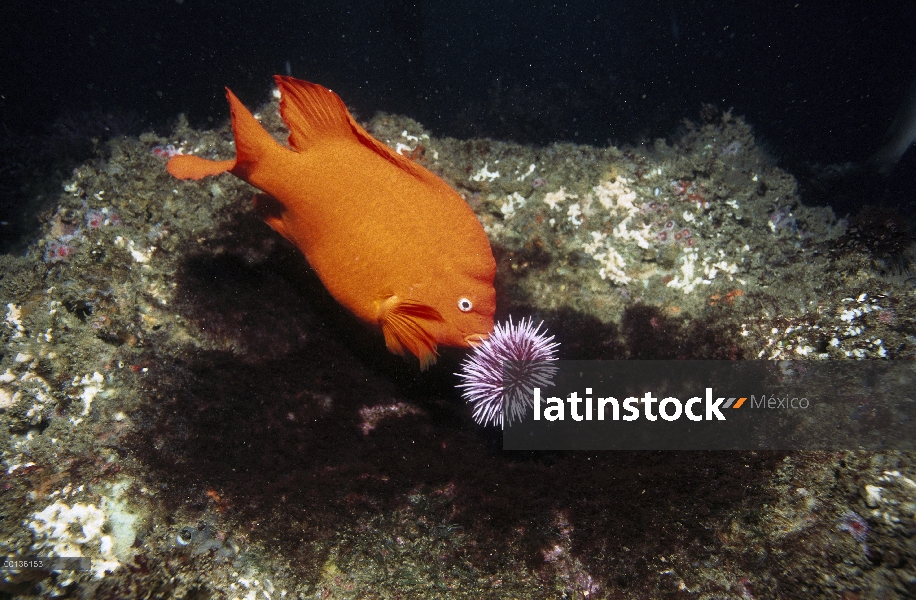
(390, 240)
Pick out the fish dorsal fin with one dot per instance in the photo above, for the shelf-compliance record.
(313, 112)
(406, 326)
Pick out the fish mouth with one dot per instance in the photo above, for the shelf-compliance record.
(475, 339)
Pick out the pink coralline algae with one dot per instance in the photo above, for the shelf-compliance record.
(95, 219)
(100, 218)
(578, 582)
(671, 233)
(654, 207)
(373, 415)
(165, 151)
(781, 218)
(683, 236)
(856, 526)
(887, 316)
(732, 149)
(690, 191)
(60, 249)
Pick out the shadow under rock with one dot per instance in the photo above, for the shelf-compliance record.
(274, 423)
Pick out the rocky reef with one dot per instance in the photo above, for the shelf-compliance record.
(184, 404)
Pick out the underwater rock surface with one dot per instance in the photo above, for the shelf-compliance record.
(182, 402)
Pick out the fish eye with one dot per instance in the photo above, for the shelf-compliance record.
(465, 305)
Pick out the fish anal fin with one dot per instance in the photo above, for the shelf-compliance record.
(271, 212)
(186, 166)
(407, 326)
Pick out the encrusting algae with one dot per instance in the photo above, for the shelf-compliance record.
(390, 240)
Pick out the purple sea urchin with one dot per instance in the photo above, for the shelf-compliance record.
(505, 369)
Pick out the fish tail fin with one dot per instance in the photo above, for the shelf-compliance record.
(405, 326)
(251, 142)
(186, 166)
(311, 112)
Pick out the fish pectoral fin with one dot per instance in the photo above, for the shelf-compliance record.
(406, 325)
(186, 166)
(271, 212)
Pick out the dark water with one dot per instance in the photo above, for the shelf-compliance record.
(819, 84)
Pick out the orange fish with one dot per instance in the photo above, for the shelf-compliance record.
(391, 241)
